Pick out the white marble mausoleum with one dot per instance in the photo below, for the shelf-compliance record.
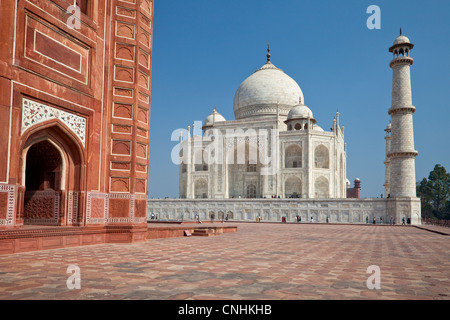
(275, 160)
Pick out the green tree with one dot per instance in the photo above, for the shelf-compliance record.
(424, 193)
(434, 193)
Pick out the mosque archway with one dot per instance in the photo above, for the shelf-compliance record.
(52, 176)
(43, 183)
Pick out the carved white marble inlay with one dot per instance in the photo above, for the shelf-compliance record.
(34, 113)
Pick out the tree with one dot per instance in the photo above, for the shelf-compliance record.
(434, 193)
(424, 193)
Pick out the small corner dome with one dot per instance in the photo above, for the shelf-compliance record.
(400, 40)
(300, 112)
(213, 117)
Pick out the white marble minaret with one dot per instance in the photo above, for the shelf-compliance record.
(387, 162)
(403, 204)
(401, 155)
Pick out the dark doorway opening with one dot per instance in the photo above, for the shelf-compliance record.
(43, 182)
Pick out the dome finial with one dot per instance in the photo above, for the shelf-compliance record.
(268, 52)
(401, 31)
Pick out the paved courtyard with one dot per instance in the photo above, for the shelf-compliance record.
(259, 261)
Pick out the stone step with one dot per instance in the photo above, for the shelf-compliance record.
(203, 232)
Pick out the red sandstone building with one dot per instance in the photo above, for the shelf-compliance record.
(354, 192)
(75, 117)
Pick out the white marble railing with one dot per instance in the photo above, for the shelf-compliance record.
(336, 210)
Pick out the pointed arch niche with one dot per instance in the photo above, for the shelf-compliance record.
(52, 173)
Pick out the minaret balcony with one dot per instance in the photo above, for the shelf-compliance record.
(401, 60)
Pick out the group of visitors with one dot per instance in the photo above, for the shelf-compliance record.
(391, 220)
(298, 218)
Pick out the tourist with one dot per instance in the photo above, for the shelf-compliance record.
(403, 220)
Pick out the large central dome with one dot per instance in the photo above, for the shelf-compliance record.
(267, 88)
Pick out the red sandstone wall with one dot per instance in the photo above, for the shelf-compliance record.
(100, 74)
(354, 193)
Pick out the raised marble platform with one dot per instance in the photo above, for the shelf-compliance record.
(353, 211)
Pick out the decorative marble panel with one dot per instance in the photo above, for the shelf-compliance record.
(7, 204)
(34, 113)
(72, 215)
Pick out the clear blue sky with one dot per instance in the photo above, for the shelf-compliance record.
(204, 49)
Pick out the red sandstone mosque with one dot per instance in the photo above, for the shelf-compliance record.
(75, 80)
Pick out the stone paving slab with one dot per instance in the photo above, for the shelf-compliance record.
(259, 261)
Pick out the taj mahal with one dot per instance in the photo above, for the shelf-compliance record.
(275, 161)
